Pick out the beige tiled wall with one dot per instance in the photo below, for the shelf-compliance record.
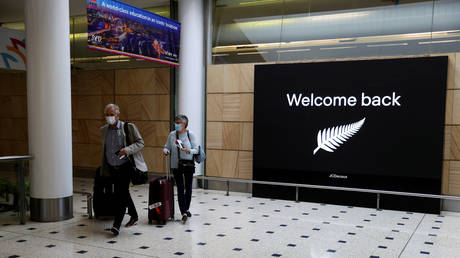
(13, 114)
(230, 94)
(143, 96)
(451, 180)
(142, 81)
(230, 115)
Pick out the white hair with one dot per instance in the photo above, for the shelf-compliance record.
(182, 118)
(114, 106)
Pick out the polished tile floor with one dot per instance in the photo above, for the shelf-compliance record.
(238, 226)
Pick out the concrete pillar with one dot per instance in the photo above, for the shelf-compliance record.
(191, 90)
(49, 109)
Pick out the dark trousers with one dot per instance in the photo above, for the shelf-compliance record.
(184, 189)
(124, 200)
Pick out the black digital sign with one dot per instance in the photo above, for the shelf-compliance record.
(376, 124)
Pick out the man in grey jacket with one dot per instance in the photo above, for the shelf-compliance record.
(116, 164)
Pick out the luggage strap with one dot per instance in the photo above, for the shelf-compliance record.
(155, 205)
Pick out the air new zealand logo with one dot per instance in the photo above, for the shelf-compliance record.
(329, 139)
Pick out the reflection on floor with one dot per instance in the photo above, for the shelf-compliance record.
(238, 226)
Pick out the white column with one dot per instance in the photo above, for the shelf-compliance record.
(49, 108)
(191, 71)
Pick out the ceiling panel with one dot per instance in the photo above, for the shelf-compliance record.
(13, 10)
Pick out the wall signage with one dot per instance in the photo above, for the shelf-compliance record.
(12, 49)
(372, 124)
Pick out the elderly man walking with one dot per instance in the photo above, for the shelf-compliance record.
(117, 164)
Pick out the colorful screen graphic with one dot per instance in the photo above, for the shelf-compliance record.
(119, 28)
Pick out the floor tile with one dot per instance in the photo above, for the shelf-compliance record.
(237, 225)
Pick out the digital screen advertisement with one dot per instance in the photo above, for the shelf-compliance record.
(119, 28)
(375, 124)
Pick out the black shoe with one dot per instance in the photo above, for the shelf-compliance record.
(184, 218)
(131, 222)
(188, 214)
(115, 230)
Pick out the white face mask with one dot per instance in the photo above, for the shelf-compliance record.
(110, 120)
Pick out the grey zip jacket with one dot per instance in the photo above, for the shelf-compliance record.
(134, 149)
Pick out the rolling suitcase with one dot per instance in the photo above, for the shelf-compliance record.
(161, 197)
(103, 196)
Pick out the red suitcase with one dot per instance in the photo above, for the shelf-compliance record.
(161, 198)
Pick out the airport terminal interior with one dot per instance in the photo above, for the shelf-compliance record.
(230, 128)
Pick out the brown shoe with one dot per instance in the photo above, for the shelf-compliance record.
(131, 222)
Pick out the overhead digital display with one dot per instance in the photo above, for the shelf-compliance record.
(119, 28)
(372, 124)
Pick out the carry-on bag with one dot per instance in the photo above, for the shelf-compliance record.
(161, 197)
(103, 196)
(138, 177)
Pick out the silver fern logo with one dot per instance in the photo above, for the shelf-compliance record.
(329, 139)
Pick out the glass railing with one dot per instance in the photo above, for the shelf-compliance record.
(290, 30)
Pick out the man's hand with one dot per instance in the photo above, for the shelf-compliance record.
(122, 152)
(185, 149)
(166, 152)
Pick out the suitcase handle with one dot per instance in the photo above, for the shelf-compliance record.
(168, 166)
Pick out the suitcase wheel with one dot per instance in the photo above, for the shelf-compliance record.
(150, 222)
(162, 222)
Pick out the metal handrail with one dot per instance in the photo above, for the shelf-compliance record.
(21, 174)
(326, 187)
(15, 158)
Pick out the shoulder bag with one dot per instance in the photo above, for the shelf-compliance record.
(185, 165)
(201, 156)
(137, 176)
